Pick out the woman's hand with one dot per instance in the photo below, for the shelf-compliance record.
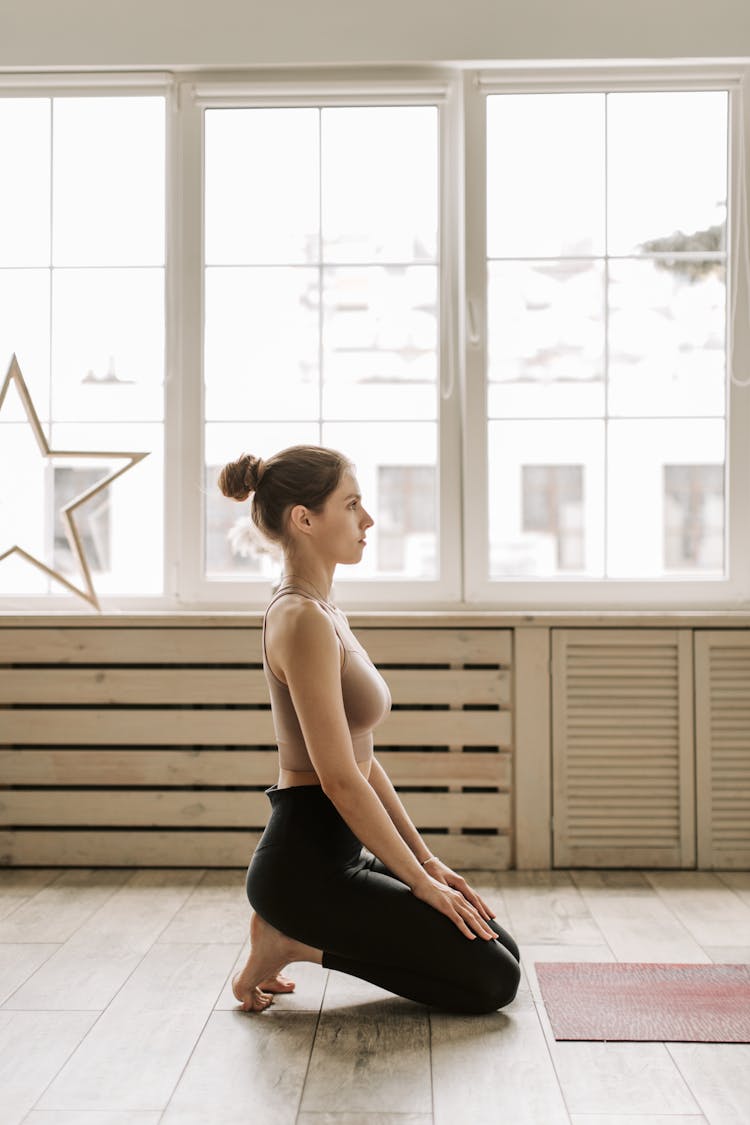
(439, 894)
(440, 871)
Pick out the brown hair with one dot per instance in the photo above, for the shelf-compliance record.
(302, 474)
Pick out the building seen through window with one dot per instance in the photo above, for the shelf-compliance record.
(93, 521)
(694, 517)
(552, 510)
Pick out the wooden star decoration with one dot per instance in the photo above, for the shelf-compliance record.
(86, 589)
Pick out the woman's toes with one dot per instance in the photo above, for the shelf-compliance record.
(259, 1001)
(279, 983)
(254, 999)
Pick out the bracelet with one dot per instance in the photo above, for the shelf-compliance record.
(424, 861)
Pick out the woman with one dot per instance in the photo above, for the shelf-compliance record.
(404, 920)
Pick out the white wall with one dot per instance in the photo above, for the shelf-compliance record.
(227, 33)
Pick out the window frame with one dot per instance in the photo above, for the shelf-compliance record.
(460, 94)
(562, 592)
(96, 84)
(394, 88)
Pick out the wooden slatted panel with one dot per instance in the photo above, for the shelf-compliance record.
(130, 646)
(158, 685)
(218, 727)
(722, 697)
(169, 708)
(212, 809)
(146, 765)
(207, 848)
(237, 646)
(622, 748)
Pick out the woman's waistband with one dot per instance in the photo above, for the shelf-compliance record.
(305, 815)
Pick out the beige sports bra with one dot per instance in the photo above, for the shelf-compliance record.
(367, 699)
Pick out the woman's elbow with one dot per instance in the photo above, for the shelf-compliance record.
(341, 786)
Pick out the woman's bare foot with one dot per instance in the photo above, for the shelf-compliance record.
(279, 983)
(261, 977)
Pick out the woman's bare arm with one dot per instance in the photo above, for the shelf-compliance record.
(306, 650)
(391, 802)
(406, 829)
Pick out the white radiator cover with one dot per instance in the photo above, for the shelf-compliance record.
(722, 724)
(622, 748)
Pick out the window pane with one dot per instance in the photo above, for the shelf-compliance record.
(325, 354)
(24, 329)
(261, 341)
(90, 341)
(632, 329)
(546, 338)
(126, 519)
(262, 184)
(379, 175)
(234, 547)
(380, 342)
(108, 344)
(694, 518)
(667, 337)
(22, 509)
(108, 181)
(94, 521)
(396, 466)
(546, 502)
(25, 181)
(666, 169)
(545, 175)
(651, 503)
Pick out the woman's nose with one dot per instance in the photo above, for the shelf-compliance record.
(367, 520)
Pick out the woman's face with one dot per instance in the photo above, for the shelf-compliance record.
(340, 527)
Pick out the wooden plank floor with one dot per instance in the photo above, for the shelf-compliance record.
(115, 1009)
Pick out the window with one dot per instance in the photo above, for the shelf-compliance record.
(513, 298)
(322, 283)
(603, 267)
(606, 327)
(82, 254)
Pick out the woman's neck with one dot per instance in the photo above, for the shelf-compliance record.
(316, 580)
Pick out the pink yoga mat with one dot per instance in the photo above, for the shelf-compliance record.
(639, 1002)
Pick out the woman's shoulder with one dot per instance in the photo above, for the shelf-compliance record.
(295, 618)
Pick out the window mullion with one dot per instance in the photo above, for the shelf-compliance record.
(474, 320)
(184, 441)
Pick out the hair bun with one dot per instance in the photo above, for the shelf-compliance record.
(240, 478)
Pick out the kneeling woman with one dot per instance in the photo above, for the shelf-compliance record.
(393, 914)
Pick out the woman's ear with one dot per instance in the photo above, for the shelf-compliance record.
(299, 518)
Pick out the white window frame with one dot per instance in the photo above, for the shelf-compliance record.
(97, 84)
(460, 95)
(441, 90)
(731, 591)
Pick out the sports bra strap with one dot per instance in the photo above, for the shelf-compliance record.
(311, 598)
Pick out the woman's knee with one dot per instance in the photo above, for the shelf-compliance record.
(498, 988)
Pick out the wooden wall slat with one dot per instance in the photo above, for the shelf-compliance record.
(211, 809)
(145, 686)
(150, 848)
(437, 646)
(148, 766)
(130, 646)
(240, 646)
(114, 686)
(235, 728)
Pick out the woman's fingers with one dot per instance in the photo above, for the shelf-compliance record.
(456, 906)
(460, 884)
(477, 901)
(474, 919)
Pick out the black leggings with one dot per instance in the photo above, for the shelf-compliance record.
(311, 879)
